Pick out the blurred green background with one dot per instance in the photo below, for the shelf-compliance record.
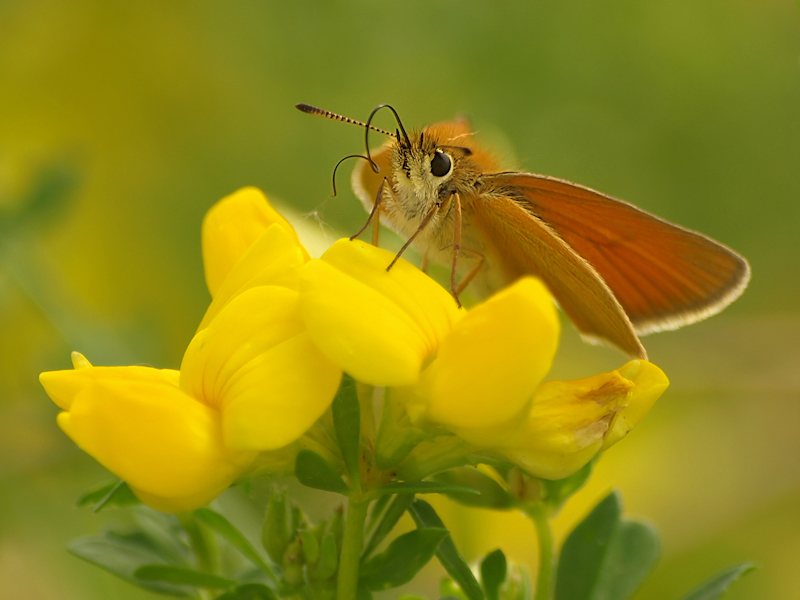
(121, 123)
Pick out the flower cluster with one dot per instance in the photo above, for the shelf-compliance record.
(267, 360)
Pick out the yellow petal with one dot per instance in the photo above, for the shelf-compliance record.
(250, 324)
(649, 383)
(64, 386)
(231, 226)
(179, 504)
(489, 365)
(256, 363)
(143, 428)
(79, 361)
(378, 326)
(274, 399)
(274, 259)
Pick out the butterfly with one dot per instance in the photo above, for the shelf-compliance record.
(617, 271)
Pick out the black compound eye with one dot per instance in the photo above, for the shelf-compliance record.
(440, 164)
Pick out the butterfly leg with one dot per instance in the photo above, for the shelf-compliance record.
(456, 245)
(376, 228)
(373, 214)
(427, 219)
(457, 288)
(465, 281)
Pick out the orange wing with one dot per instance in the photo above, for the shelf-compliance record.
(664, 276)
(524, 245)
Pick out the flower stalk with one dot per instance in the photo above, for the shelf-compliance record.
(352, 544)
(544, 577)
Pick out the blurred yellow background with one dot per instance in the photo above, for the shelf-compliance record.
(121, 123)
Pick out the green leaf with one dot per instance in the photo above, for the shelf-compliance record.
(493, 573)
(182, 576)
(363, 593)
(249, 591)
(584, 549)
(449, 590)
(389, 519)
(347, 424)
(404, 557)
(123, 555)
(234, 537)
(718, 585)
(202, 542)
(376, 512)
(605, 557)
(424, 487)
(315, 472)
(490, 494)
(110, 494)
(632, 555)
(165, 534)
(425, 516)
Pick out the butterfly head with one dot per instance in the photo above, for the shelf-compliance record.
(430, 165)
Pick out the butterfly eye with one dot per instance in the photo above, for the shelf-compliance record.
(440, 164)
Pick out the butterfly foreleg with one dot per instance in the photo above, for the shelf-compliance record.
(373, 214)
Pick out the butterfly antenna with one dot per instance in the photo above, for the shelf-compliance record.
(321, 112)
(369, 160)
(396, 135)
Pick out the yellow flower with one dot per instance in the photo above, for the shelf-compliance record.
(246, 244)
(568, 422)
(478, 374)
(251, 379)
(232, 227)
(379, 326)
(138, 423)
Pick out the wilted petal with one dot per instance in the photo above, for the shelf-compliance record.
(378, 325)
(649, 383)
(570, 421)
(232, 226)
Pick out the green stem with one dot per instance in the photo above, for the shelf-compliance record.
(544, 578)
(352, 543)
